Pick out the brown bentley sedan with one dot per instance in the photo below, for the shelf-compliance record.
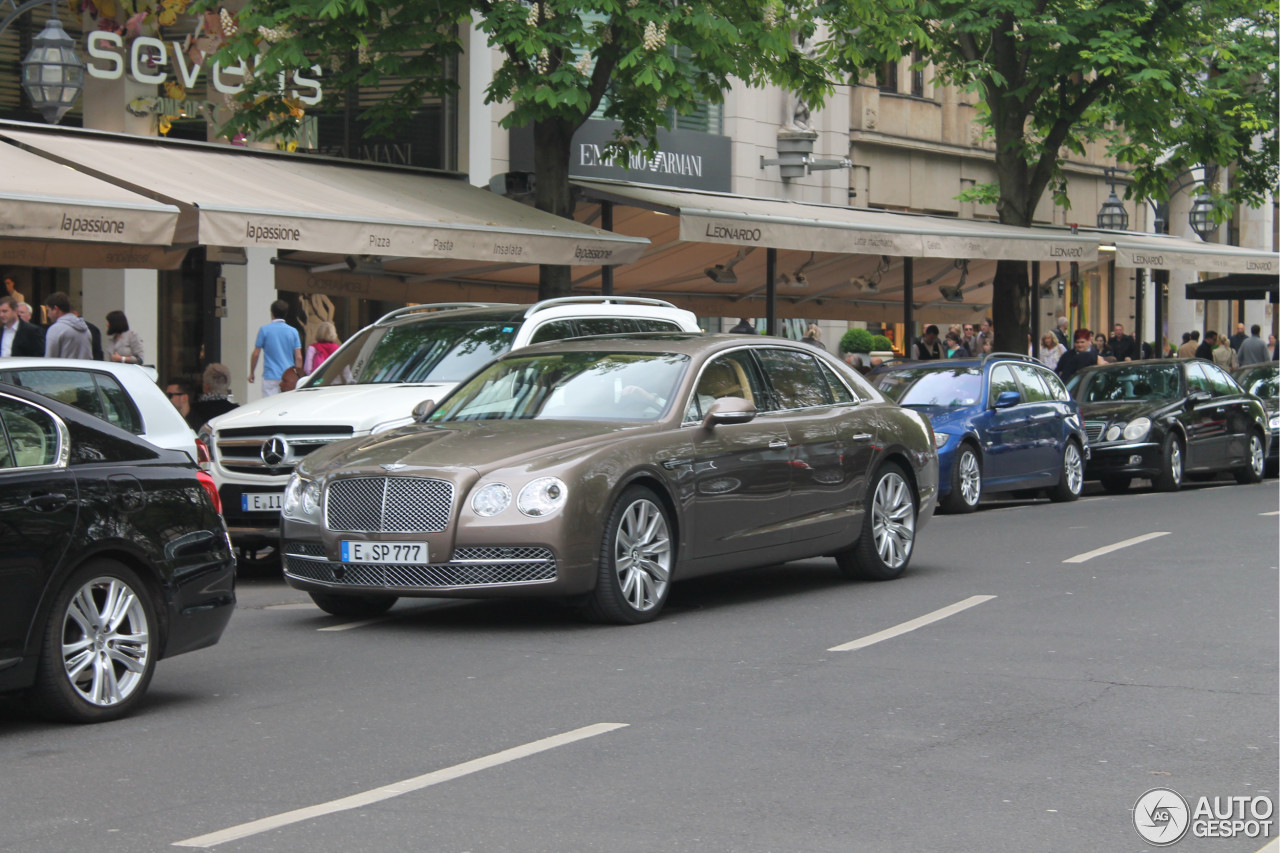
(599, 470)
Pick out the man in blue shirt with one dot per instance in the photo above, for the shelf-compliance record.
(282, 347)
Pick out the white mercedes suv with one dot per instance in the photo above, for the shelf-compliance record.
(374, 381)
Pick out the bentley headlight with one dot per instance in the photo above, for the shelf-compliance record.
(302, 500)
(542, 497)
(940, 439)
(490, 500)
(1137, 429)
(1114, 432)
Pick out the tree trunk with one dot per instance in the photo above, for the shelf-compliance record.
(552, 140)
(1010, 287)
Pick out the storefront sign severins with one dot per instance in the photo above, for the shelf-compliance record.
(147, 59)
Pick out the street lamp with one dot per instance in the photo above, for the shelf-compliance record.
(52, 73)
(1201, 216)
(1112, 216)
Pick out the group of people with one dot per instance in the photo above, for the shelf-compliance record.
(1237, 350)
(280, 347)
(961, 341)
(68, 335)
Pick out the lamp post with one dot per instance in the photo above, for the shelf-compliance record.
(1112, 216)
(52, 73)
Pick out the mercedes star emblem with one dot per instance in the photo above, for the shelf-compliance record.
(274, 451)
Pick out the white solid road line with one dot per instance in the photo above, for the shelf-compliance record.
(1271, 847)
(395, 789)
(1098, 552)
(1277, 512)
(905, 627)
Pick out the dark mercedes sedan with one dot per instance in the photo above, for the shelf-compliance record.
(113, 556)
(1166, 419)
(599, 470)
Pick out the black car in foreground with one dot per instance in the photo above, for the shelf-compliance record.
(1166, 419)
(1263, 382)
(113, 555)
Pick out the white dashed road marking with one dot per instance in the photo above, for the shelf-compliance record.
(1098, 552)
(905, 627)
(395, 789)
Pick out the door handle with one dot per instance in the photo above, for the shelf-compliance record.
(777, 445)
(46, 502)
(862, 436)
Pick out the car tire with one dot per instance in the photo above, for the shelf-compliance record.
(1071, 477)
(885, 545)
(966, 481)
(637, 558)
(1256, 464)
(100, 645)
(353, 606)
(1171, 465)
(1116, 483)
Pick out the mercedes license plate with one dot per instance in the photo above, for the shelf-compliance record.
(261, 501)
(384, 552)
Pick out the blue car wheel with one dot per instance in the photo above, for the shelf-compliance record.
(966, 481)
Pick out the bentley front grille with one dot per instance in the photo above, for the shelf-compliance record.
(388, 505)
(469, 567)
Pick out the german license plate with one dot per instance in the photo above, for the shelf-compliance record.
(261, 501)
(384, 552)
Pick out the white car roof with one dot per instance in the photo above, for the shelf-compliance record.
(162, 424)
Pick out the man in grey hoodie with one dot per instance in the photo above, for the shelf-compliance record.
(68, 335)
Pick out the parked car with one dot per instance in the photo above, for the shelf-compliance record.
(1002, 422)
(601, 469)
(1167, 419)
(374, 381)
(125, 395)
(112, 557)
(1263, 382)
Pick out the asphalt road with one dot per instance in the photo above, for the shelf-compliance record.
(1038, 701)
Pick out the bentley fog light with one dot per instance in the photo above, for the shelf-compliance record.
(542, 496)
(1137, 429)
(491, 500)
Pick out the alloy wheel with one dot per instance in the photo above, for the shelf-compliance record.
(642, 555)
(970, 478)
(1073, 469)
(893, 520)
(106, 641)
(1257, 458)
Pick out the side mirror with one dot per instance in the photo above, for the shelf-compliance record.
(729, 410)
(423, 410)
(1195, 398)
(1008, 398)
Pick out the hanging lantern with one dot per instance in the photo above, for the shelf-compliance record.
(52, 73)
(1112, 216)
(1201, 217)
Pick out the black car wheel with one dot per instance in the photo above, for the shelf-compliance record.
(1071, 477)
(966, 481)
(100, 645)
(1116, 483)
(1170, 477)
(637, 555)
(888, 529)
(353, 606)
(1256, 465)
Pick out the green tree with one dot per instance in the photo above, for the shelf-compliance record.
(1165, 84)
(641, 61)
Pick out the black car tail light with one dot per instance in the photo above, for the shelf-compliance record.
(212, 488)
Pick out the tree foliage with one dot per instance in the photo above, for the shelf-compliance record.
(1165, 85)
(639, 61)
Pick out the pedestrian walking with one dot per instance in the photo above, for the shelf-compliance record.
(1224, 356)
(1082, 355)
(1123, 347)
(325, 345)
(279, 346)
(68, 335)
(1253, 350)
(1239, 337)
(1061, 333)
(813, 335)
(215, 399)
(124, 346)
(1205, 350)
(927, 347)
(1190, 340)
(1051, 350)
(17, 336)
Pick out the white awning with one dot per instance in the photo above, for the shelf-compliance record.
(1162, 252)
(41, 200)
(780, 224)
(240, 197)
